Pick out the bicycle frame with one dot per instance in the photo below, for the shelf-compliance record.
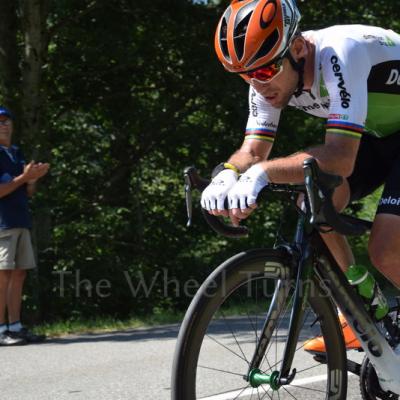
(313, 257)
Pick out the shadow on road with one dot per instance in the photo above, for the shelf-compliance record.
(240, 325)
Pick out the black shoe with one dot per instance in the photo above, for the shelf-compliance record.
(7, 340)
(27, 336)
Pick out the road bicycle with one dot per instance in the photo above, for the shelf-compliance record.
(243, 334)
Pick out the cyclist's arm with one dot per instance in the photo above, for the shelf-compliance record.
(260, 132)
(336, 156)
(345, 68)
(251, 152)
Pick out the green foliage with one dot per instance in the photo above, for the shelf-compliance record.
(134, 95)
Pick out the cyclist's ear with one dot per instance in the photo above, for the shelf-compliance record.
(298, 48)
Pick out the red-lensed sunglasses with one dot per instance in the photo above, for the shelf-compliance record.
(265, 74)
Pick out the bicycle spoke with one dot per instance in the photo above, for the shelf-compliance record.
(255, 327)
(234, 336)
(276, 347)
(307, 388)
(241, 392)
(227, 348)
(266, 393)
(307, 369)
(220, 370)
(256, 312)
(287, 391)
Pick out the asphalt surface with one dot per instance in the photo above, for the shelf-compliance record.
(134, 365)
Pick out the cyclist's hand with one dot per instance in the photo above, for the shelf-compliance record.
(242, 197)
(214, 195)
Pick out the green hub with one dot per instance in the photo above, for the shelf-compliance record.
(257, 378)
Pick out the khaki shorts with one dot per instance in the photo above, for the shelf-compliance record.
(16, 249)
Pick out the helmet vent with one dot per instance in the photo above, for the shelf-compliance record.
(266, 47)
(240, 35)
(223, 40)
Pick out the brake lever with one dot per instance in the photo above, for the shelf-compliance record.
(189, 202)
(308, 181)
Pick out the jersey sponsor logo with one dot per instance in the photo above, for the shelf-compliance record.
(339, 117)
(315, 106)
(266, 124)
(383, 41)
(392, 201)
(394, 78)
(385, 78)
(253, 104)
(345, 96)
(268, 13)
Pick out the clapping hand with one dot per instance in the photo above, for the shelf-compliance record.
(34, 171)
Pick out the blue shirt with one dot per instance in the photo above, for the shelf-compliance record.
(14, 208)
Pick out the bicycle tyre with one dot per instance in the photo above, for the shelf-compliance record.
(228, 277)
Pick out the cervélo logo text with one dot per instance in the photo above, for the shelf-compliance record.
(344, 94)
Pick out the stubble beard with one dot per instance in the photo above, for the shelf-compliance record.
(286, 97)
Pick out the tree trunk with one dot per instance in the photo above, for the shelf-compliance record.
(35, 33)
(10, 73)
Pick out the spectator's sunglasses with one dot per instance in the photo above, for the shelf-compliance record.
(266, 73)
(5, 122)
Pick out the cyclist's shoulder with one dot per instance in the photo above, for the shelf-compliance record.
(340, 33)
(344, 39)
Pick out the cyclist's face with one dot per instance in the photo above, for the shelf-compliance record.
(280, 88)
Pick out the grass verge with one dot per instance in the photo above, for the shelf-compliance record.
(105, 324)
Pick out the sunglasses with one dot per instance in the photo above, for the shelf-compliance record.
(265, 74)
(5, 122)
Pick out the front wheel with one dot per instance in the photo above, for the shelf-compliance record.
(222, 326)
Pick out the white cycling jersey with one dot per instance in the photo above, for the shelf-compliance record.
(356, 85)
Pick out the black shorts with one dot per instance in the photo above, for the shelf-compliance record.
(378, 163)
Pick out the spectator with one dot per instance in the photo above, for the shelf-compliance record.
(17, 182)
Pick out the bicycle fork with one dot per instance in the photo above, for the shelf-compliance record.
(282, 376)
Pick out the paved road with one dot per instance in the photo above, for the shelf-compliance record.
(127, 365)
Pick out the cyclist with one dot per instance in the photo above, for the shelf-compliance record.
(349, 75)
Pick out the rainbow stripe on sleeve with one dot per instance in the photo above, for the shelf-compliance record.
(344, 128)
(260, 134)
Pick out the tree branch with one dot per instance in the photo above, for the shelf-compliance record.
(73, 18)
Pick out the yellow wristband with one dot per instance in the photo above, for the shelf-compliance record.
(232, 167)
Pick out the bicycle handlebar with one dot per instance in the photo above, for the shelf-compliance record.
(318, 188)
(194, 180)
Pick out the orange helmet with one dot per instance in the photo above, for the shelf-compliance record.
(253, 33)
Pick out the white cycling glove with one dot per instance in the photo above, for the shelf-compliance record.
(214, 195)
(246, 190)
